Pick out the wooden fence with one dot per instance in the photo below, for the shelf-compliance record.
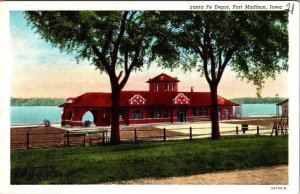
(37, 140)
(101, 137)
(190, 133)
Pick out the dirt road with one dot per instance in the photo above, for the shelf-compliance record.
(275, 175)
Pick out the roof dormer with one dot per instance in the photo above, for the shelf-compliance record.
(162, 83)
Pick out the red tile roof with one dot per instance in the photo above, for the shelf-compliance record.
(163, 78)
(152, 99)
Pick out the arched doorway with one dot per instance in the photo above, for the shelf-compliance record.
(181, 115)
(87, 118)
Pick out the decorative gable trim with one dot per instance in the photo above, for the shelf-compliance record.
(181, 99)
(137, 100)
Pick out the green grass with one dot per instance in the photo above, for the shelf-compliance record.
(99, 164)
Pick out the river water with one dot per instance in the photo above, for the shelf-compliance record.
(25, 115)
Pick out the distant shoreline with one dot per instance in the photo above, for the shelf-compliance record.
(58, 101)
(36, 101)
(251, 100)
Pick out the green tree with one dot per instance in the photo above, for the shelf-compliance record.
(114, 42)
(253, 44)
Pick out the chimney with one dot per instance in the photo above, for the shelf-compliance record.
(192, 89)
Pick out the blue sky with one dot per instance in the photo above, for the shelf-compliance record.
(39, 70)
(29, 44)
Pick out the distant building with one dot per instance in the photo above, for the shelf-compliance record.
(162, 103)
(284, 107)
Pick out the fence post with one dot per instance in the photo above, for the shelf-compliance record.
(27, 140)
(68, 138)
(135, 135)
(84, 140)
(276, 131)
(237, 129)
(103, 140)
(106, 136)
(257, 129)
(164, 134)
(191, 135)
(90, 142)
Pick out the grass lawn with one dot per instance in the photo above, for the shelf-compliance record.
(100, 164)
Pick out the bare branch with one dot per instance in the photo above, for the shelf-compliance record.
(206, 36)
(102, 59)
(220, 61)
(197, 50)
(210, 54)
(119, 38)
(206, 72)
(119, 76)
(132, 65)
(107, 41)
(131, 15)
(126, 60)
(227, 59)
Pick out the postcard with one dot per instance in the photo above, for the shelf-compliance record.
(184, 96)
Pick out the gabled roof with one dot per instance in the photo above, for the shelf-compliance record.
(282, 102)
(152, 99)
(163, 78)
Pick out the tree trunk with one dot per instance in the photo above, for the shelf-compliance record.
(215, 129)
(115, 127)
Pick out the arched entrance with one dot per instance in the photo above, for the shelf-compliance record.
(181, 115)
(88, 118)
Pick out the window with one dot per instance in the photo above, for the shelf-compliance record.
(121, 115)
(157, 113)
(137, 114)
(200, 112)
(172, 86)
(166, 86)
(151, 113)
(194, 112)
(155, 87)
(166, 112)
(205, 112)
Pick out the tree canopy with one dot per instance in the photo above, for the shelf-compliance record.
(255, 43)
(115, 42)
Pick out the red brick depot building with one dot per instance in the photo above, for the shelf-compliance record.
(162, 103)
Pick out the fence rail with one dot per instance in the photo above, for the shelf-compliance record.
(32, 140)
(62, 139)
(191, 133)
